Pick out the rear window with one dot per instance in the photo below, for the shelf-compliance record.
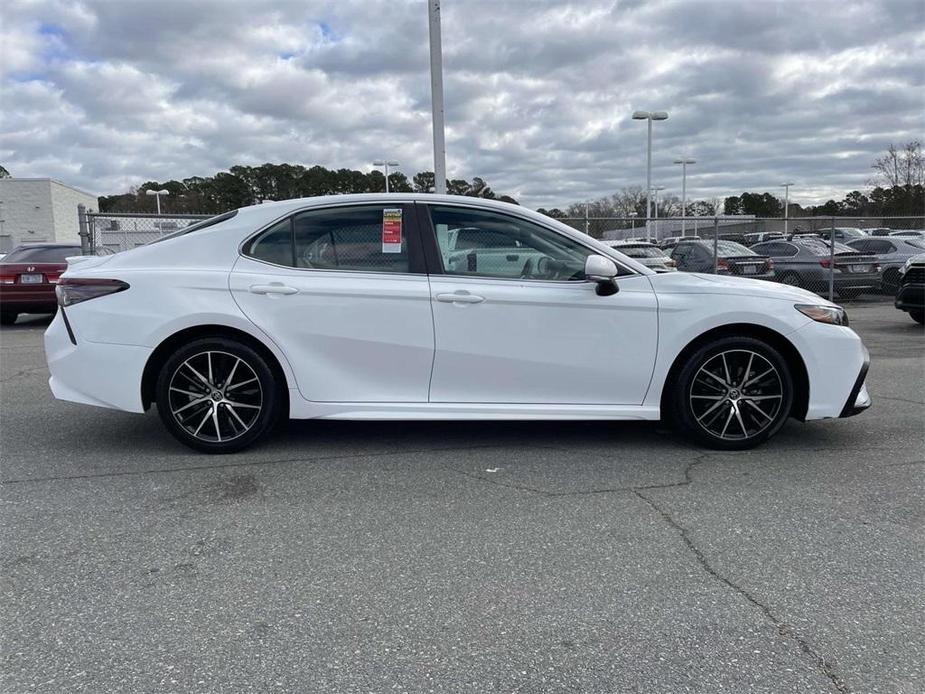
(820, 247)
(211, 221)
(640, 251)
(728, 249)
(41, 254)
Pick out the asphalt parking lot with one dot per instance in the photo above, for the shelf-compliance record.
(524, 557)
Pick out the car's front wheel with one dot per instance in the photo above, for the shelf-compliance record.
(732, 393)
(918, 316)
(8, 317)
(217, 395)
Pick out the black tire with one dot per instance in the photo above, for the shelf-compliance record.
(918, 316)
(8, 317)
(693, 393)
(188, 395)
(849, 294)
(792, 279)
(890, 282)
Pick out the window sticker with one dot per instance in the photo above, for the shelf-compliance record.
(391, 230)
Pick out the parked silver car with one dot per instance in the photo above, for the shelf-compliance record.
(648, 254)
(891, 252)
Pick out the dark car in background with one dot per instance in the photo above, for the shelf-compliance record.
(806, 261)
(911, 294)
(892, 253)
(28, 276)
(731, 259)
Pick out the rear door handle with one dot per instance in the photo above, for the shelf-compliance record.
(273, 288)
(460, 298)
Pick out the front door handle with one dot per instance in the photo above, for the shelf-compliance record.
(460, 297)
(273, 288)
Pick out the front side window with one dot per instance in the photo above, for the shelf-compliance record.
(488, 244)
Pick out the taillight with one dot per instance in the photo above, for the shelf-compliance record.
(7, 279)
(722, 264)
(73, 290)
(826, 263)
(670, 263)
(770, 264)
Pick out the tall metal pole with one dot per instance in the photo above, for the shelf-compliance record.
(786, 206)
(436, 95)
(649, 182)
(387, 177)
(832, 261)
(684, 198)
(158, 198)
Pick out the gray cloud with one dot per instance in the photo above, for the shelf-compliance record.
(106, 95)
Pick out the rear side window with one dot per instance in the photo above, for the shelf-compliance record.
(369, 238)
(39, 254)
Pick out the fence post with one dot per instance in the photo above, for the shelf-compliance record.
(83, 229)
(832, 262)
(715, 243)
(586, 218)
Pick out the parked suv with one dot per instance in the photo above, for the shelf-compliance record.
(911, 295)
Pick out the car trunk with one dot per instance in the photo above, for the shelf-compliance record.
(746, 265)
(30, 274)
(855, 263)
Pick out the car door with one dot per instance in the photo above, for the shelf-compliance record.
(531, 330)
(344, 294)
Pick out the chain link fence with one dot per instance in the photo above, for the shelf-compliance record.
(111, 232)
(841, 258)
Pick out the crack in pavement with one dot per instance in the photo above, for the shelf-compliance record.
(783, 628)
(891, 397)
(253, 463)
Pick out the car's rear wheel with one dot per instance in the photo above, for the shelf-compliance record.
(732, 393)
(217, 395)
(918, 316)
(890, 282)
(792, 279)
(8, 317)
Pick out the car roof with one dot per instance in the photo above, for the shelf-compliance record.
(46, 244)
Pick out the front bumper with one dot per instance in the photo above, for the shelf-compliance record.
(859, 399)
(910, 297)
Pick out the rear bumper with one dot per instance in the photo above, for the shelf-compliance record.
(93, 373)
(910, 297)
(28, 299)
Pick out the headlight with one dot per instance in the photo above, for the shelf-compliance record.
(905, 267)
(835, 315)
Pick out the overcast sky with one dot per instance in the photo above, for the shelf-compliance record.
(105, 95)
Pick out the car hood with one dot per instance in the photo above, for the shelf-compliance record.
(699, 283)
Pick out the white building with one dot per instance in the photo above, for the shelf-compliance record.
(39, 209)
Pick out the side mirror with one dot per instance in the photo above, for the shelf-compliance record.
(603, 271)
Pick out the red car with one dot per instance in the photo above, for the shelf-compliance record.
(28, 275)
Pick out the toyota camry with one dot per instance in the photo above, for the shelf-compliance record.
(392, 307)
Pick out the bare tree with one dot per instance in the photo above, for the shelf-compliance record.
(901, 167)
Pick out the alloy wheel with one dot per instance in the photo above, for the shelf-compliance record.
(736, 395)
(215, 396)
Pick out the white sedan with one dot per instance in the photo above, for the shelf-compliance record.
(396, 307)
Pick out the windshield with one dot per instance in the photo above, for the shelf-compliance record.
(41, 254)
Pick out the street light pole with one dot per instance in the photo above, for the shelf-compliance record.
(436, 96)
(157, 194)
(385, 163)
(786, 187)
(655, 190)
(684, 163)
(649, 116)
